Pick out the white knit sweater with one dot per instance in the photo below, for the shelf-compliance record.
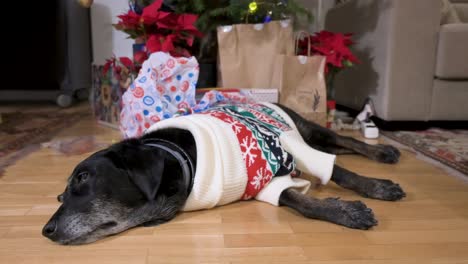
(221, 173)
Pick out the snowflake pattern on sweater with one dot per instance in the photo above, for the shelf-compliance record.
(257, 128)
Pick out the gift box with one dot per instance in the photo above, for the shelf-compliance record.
(108, 86)
(259, 95)
(264, 95)
(164, 86)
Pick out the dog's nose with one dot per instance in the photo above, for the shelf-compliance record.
(50, 228)
(60, 198)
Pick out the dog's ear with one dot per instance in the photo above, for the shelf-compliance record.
(144, 165)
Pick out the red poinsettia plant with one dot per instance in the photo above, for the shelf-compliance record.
(335, 47)
(160, 30)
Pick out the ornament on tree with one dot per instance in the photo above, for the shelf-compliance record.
(268, 17)
(280, 3)
(253, 7)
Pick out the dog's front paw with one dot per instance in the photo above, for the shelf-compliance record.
(387, 154)
(382, 189)
(353, 214)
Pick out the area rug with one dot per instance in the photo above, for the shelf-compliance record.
(449, 147)
(21, 132)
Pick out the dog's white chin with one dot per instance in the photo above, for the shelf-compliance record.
(92, 236)
(78, 241)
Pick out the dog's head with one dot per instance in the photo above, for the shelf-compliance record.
(126, 185)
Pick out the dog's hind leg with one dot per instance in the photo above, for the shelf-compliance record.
(381, 189)
(338, 150)
(381, 153)
(326, 140)
(353, 214)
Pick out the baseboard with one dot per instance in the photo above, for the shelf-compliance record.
(408, 125)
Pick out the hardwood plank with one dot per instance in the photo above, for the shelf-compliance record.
(14, 210)
(418, 237)
(429, 226)
(220, 255)
(282, 240)
(424, 224)
(201, 217)
(424, 252)
(66, 255)
(3, 231)
(223, 228)
(24, 220)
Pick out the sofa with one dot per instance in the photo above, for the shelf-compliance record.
(414, 58)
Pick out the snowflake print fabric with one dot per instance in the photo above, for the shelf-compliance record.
(257, 129)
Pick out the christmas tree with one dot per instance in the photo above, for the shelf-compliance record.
(214, 13)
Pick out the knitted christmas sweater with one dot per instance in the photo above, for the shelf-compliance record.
(247, 151)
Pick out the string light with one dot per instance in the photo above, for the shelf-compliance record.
(253, 7)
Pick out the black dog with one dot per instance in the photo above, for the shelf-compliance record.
(132, 184)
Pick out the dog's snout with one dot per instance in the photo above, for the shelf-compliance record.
(50, 228)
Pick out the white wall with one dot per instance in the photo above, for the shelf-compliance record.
(106, 40)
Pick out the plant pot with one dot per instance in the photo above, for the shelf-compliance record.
(208, 75)
(140, 53)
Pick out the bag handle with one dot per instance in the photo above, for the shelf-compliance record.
(299, 35)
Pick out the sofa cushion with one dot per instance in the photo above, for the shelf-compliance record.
(462, 11)
(448, 13)
(449, 100)
(452, 52)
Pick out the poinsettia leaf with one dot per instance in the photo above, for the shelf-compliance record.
(168, 44)
(152, 9)
(189, 40)
(140, 57)
(105, 69)
(189, 19)
(153, 44)
(185, 53)
(167, 21)
(129, 20)
(150, 13)
(108, 64)
(126, 62)
(165, 15)
(187, 22)
(180, 22)
(117, 69)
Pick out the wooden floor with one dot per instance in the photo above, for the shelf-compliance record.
(429, 226)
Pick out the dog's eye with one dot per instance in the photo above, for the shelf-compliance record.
(82, 177)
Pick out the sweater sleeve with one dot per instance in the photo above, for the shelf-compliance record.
(271, 193)
(308, 159)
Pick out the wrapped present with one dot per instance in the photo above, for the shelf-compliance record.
(259, 95)
(165, 84)
(110, 81)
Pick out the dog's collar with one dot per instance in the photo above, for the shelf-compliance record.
(186, 163)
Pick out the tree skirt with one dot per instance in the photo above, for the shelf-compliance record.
(447, 146)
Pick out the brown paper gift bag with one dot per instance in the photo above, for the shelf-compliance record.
(247, 52)
(301, 83)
